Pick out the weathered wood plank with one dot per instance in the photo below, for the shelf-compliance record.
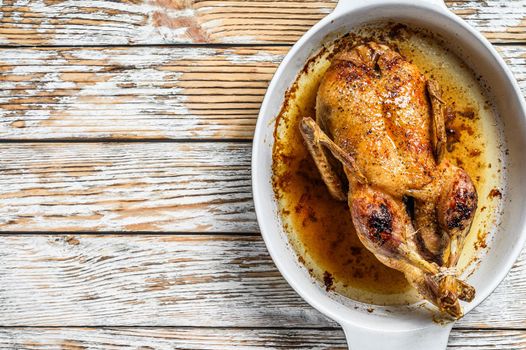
(159, 93)
(199, 187)
(76, 22)
(181, 93)
(176, 280)
(224, 338)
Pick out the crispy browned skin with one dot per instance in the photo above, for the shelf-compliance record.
(382, 119)
(374, 104)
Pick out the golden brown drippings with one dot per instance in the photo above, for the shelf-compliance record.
(325, 228)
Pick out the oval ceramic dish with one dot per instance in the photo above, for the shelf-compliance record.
(397, 327)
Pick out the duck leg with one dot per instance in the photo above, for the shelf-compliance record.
(441, 230)
(385, 228)
(456, 208)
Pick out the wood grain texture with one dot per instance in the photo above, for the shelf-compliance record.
(224, 338)
(198, 187)
(183, 291)
(147, 93)
(123, 22)
(176, 280)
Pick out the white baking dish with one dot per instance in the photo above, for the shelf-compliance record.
(401, 327)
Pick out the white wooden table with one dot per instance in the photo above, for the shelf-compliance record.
(126, 212)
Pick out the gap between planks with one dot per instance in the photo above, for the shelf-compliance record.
(124, 140)
(179, 45)
(131, 233)
(299, 328)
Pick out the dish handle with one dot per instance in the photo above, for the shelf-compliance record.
(432, 337)
(347, 5)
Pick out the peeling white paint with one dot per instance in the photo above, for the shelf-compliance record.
(128, 91)
(133, 23)
(493, 15)
(172, 187)
(170, 280)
